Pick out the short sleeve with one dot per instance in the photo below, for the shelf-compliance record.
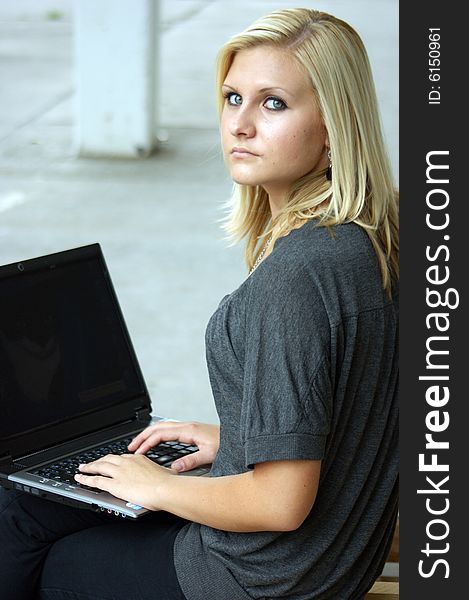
(287, 397)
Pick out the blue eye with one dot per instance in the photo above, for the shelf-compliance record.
(234, 99)
(275, 104)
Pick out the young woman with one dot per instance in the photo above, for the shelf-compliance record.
(301, 500)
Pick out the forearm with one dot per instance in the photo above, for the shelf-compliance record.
(275, 496)
(230, 503)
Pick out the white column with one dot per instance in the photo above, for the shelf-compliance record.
(115, 62)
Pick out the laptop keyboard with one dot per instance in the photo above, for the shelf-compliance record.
(164, 454)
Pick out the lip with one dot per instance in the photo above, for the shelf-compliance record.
(241, 152)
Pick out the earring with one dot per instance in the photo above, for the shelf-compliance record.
(329, 168)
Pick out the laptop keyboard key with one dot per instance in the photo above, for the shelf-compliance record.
(162, 460)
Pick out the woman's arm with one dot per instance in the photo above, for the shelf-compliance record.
(274, 496)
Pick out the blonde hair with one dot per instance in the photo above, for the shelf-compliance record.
(361, 189)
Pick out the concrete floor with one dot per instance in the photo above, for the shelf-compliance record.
(156, 219)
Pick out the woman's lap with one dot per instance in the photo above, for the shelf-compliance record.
(139, 567)
(77, 554)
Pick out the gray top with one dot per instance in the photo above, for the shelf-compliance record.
(302, 359)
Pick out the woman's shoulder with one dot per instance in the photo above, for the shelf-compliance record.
(335, 267)
(317, 248)
(318, 237)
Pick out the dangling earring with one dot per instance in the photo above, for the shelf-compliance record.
(329, 168)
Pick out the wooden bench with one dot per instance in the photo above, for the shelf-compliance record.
(384, 590)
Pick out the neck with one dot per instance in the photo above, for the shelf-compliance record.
(276, 202)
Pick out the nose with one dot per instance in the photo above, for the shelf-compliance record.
(242, 124)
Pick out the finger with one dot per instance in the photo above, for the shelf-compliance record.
(167, 432)
(95, 481)
(153, 440)
(189, 462)
(140, 438)
(162, 431)
(99, 467)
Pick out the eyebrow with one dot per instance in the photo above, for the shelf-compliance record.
(262, 90)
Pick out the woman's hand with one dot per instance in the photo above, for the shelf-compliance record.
(134, 478)
(205, 437)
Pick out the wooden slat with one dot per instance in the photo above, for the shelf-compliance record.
(384, 590)
(383, 587)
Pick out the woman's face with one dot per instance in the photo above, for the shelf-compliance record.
(271, 129)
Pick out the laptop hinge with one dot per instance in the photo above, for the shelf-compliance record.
(5, 458)
(143, 414)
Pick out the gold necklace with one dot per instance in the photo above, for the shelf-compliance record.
(261, 256)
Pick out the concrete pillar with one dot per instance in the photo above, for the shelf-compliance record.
(116, 75)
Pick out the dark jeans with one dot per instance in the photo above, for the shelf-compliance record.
(50, 551)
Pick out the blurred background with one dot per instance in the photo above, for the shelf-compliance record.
(108, 133)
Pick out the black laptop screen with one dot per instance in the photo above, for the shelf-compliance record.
(63, 352)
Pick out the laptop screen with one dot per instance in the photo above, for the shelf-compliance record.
(64, 351)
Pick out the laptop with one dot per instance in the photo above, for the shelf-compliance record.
(71, 389)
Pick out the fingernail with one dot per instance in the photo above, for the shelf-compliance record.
(178, 466)
(77, 476)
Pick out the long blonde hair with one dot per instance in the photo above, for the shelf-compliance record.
(361, 189)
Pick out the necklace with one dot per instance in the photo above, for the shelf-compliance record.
(261, 255)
